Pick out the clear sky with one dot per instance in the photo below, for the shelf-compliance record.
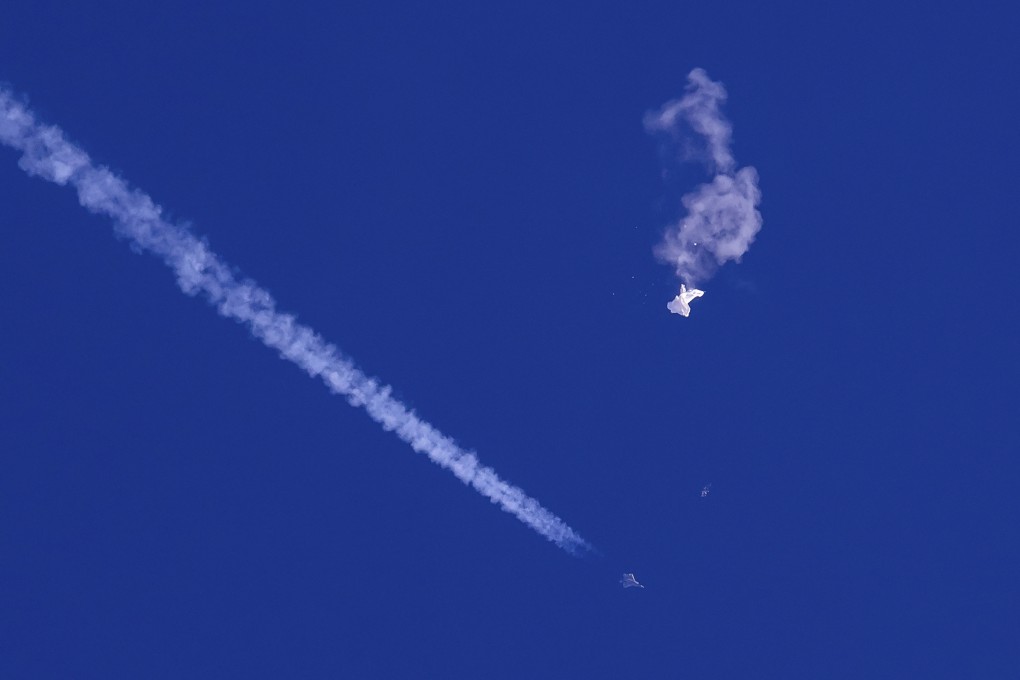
(463, 198)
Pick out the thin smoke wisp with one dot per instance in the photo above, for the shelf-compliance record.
(721, 217)
(47, 153)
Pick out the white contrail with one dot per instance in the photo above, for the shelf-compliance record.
(48, 154)
(722, 217)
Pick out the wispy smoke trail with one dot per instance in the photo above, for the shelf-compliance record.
(722, 217)
(48, 154)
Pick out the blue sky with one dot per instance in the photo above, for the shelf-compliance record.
(463, 198)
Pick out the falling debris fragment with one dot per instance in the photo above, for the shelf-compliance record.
(705, 490)
(628, 581)
(681, 303)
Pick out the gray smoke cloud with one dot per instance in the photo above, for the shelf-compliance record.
(46, 153)
(721, 218)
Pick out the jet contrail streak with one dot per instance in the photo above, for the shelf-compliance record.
(48, 154)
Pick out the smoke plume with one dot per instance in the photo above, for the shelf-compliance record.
(721, 218)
